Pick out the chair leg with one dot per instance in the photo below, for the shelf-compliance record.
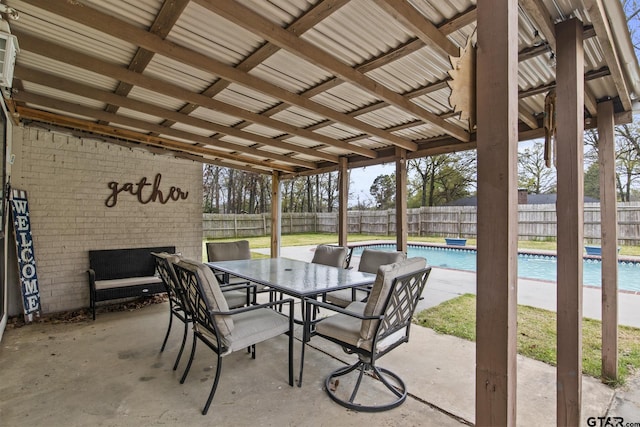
(399, 390)
(291, 358)
(166, 336)
(214, 386)
(184, 341)
(193, 352)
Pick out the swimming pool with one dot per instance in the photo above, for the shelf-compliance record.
(530, 266)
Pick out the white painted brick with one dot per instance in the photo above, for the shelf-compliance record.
(66, 180)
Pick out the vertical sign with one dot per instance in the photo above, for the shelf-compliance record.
(24, 251)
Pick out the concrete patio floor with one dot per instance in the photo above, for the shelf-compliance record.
(110, 373)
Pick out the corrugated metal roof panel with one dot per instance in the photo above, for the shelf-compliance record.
(179, 74)
(140, 116)
(282, 12)
(61, 95)
(246, 98)
(413, 71)
(213, 36)
(67, 71)
(345, 97)
(337, 131)
(358, 31)
(262, 131)
(290, 72)
(71, 34)
(140, 13)
(298, 117)
(214, 116)
(155, 98)
(192, 129)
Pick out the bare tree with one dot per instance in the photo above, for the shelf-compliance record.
(533, 174)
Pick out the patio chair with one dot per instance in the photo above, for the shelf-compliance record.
(370, 260)
(226, 330)
(334, 256)
(177, 303)
(231, 251)
(371, 330)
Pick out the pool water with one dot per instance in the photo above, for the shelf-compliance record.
(530, 266)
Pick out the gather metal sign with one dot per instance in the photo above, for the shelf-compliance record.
(144, 191)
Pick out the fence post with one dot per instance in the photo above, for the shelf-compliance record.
(235, 226)
(264, 224)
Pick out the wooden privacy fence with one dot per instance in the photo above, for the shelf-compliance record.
(535, 222)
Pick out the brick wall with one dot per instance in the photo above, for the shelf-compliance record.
(66, 180)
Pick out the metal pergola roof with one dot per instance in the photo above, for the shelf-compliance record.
(289, 85)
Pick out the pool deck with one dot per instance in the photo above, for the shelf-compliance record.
(445, 284)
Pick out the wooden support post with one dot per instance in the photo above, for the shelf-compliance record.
(276, 215)
(496, 307)
(343, 200)
(609, 240)
(401, 200)
(570, 212)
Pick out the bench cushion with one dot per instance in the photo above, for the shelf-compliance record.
(130, 281)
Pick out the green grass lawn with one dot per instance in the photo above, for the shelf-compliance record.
(537, 335)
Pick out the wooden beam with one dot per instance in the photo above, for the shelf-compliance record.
(605, 37)
(537, 11)
(570, 213)
(609, 240)
(497, 281)
(528, 118)
(60, 53)
(124, 134)
(408, 16)
(76, 88)
(73, 108)
(252, 21)
(124, 31)
(539, 14)
(162, 25)
(402, 226)
(343, 201)
(301, 25)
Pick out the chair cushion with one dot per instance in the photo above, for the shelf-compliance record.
(228, 251)
(371, 259)
(333, 256)
(215, 298)
(380, 291)
(235, 298)
(343, 327)
(344, 297)
(129, 281)
(252, 327)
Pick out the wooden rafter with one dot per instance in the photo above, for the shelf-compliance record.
(255, 23)
(60, 53)
(603, 32)
(140, 124)
(299, 26)
(539, 14)
(60, 83)
(130, 135)
(127, 32)
(162, 25)
(430, 35)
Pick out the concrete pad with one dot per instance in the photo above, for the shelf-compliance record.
(110, 372)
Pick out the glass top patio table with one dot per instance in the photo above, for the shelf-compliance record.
(294, 277)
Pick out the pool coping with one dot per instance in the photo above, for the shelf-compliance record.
(624, 258)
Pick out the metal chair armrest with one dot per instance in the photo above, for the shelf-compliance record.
(254, 307)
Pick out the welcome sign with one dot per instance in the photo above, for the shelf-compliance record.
(26, 259)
